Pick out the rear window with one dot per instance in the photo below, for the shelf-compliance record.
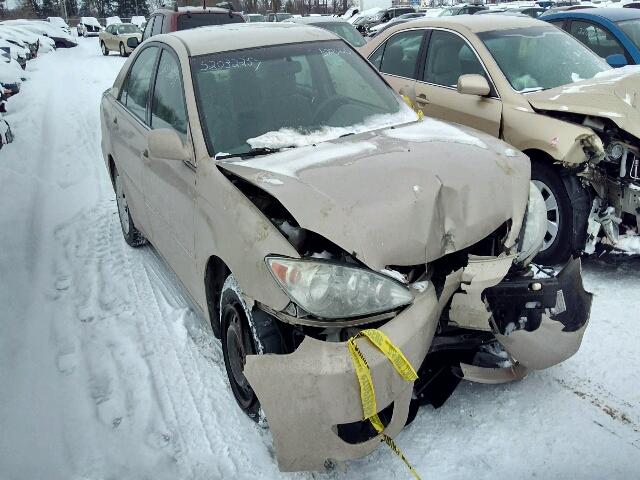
(193, 20)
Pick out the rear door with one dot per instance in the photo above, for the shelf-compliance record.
(169, 185)
(129, 127)
(448, 56)
(398, 58)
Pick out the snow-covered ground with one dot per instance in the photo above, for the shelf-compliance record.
(106, 372)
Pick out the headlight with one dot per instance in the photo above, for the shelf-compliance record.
(329, 290)
(535, 226)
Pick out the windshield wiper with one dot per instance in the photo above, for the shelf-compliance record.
(254, 152)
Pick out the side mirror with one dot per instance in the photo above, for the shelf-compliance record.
(132, 42)
(473, 85)
(617, 60)
(166, 144)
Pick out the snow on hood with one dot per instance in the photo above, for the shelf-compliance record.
(290, 137)
(613, 94)
(395, 201)
(431, 130)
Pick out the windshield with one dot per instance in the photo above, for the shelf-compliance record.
(193, 20)
(538, 58)
(344, 30)
(631, 28)
(255, 18)
(290, 95)
(123, 29)
(447, 12)
(283, 16)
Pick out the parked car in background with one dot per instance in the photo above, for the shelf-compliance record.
(88, 27)
(61, 39)
(300, 200)
(60, 23)
(340, 27)
(139, 21)
(16, 33)
(462, 9)
(115, 38)
(278, 17)
(165, 20)
(112, 20)
(402, 18)
(6, 136)
(14, 51)
(254, 17)
(632, 5)
(574, 116)
(612, 33)
(383, 16)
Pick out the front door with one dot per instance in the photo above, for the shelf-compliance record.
(448, 57)
(129, 127)
(169, 185)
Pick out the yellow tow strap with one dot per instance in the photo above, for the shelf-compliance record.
(367, 391)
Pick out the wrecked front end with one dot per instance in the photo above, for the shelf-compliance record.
(436, 260)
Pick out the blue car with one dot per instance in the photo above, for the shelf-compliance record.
(613, 33)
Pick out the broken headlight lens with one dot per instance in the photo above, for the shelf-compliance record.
(334, 291)
(534, 228)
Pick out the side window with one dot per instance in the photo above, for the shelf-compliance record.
(167, 107)
(135, 92)
(448, 57)
(148, 28)
(401, 54)
(110, 29)
(157, 25)
(557, 23)
(596, 38)
(376, 58)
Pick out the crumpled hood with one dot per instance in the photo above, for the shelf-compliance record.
(614, 94)
(400, 196)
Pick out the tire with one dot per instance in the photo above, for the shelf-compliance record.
(132, 235)
(558, 242)
(123, 51)
(242, 334)
(105, 50)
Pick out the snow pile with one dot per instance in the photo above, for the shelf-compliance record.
(290, 137)
(431, 130)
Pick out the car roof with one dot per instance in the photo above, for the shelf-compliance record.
(613, 14)
(477, 23)
(192, 10)
(311, 20)
(237, 36)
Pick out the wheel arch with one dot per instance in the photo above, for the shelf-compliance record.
(215, 274)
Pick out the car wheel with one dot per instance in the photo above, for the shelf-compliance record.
(131, 234)
(123, 52)
(240, 333)
(558, 242)
(105, 50)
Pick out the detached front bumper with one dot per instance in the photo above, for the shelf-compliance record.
(308, 393)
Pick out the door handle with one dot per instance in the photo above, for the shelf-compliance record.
(115, 120)
(145, 154)
(422, 99)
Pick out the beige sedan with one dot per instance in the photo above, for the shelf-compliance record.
(116, 38)
(300, 200)
(539, 89)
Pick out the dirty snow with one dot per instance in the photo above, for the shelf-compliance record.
(290, 137)
(431, 130)
(106, 372)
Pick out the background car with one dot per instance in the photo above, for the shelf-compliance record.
(112, 20)
(61, 39)
(612, 33)
(463, 9)
(254, 17)
(340, 27)
(569, 112)
(383, 16)
(88, 27)
(402, 18)
(59, 22)
(115, 38)
(278, 17)
(139, 21)
(165, 20)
